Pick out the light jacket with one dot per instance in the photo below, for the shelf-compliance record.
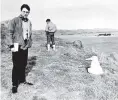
(50, 27)
(16, 33)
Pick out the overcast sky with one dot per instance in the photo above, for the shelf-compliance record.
(66, 14)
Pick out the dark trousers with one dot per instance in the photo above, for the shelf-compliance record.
(19, 64)
(50, 38)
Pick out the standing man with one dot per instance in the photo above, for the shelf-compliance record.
(20, 29)
(50, 30)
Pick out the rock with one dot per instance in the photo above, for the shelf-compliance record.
(78, 44)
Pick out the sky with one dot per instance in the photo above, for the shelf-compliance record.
(66, 14)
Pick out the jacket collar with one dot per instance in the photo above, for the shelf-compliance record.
(23, 19)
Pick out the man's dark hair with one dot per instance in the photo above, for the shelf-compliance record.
(48, 20)
(25, 6)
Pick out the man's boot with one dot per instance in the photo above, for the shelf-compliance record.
(14, 89)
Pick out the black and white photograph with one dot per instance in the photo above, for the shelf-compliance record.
(59, 50)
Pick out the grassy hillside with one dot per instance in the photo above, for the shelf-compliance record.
(4, 33)
(61, 74)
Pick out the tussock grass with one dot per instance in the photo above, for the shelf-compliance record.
(62, 74)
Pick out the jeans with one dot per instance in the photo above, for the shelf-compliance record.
(50, 38)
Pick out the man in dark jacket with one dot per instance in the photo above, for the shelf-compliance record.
(19, 40)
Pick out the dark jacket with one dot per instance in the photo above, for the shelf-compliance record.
(16, 33)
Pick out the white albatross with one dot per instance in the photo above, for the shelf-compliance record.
(95, 67)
